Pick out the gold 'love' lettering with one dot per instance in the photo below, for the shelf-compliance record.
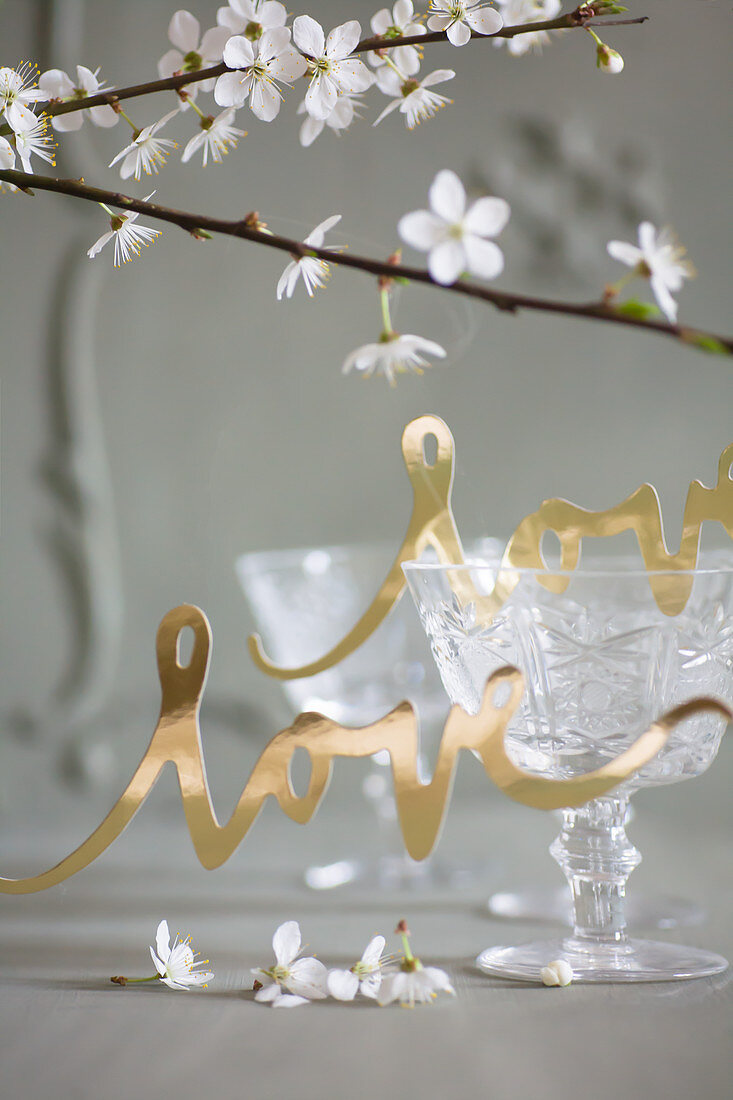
(421, 806)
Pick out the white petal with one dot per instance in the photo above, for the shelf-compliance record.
(439, 76)
(666, 302)
(316, 237)
(64, 124)
(438, 22)
(157, 963)
(647, 237)
(458, 33)
(487, 216)
(342, 115)
(238, 53)
(420, 344)
(271, 14)
(485, 21)
(289, 66)
(213, 43)
(447, 196)
(342, 40)
(268, 993)
(232, 89)
(184, 30)
(191, 147)
(320, 99)
(170, 62)
(380, 21)
(265, 100)
(388, 82)
(371, 984)
(373, 951)
(393, 987)
(173, 984)
(446, 262)
(421, 229)
(438, 979)
(308, 36)
(308, 978)
(310, 130)
(286, 942)
(353, 76)
(55, 84)
(625, 253)
(163, 937)
(485, 259)
(343, 984)
(229, 19)
(274, 42)
(149, 130)
(289, 1000)
(402, 12)
(387, 111)
(104, 116)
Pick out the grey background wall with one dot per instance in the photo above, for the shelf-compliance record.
(159, 420)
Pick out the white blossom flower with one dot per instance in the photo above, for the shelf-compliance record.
(261, 67)
(459, 18)
(517, 12)
(17, 90)
(56, 84)
(175, 964)
(659, 258)
(412, 97)
(558, 972)
(291, 981)
(393, 354)
(191, 51)
(36, 139)
(128, 236)
(365, 975)
(251, 17)
(456, 237)
(333, 69)
(608, 60)
(146, 152)
(214, 137)
(313, 270)
(413, 985)
(398, 24)
(7, 160)
(340, 118)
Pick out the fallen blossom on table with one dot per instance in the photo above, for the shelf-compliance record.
(291, 981)
(365, 976)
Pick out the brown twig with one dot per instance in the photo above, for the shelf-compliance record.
(570, 21)
(247, 229)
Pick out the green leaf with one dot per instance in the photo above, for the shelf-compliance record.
(706, 343)
(642, 311)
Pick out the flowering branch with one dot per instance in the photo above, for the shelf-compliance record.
(249, 228)
(582, 17)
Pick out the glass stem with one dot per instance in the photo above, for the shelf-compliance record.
(597, 858)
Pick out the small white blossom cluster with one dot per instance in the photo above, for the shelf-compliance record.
(28, 131)
(294, 981)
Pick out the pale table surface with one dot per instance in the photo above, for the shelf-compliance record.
(66, 1032)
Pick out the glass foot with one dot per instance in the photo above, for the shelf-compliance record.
(556, 907)
(629, 961)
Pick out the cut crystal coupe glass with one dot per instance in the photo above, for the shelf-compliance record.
(601, 662)
(303, 602)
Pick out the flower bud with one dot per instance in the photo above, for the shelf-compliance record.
(608, 60)
(558, 972)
